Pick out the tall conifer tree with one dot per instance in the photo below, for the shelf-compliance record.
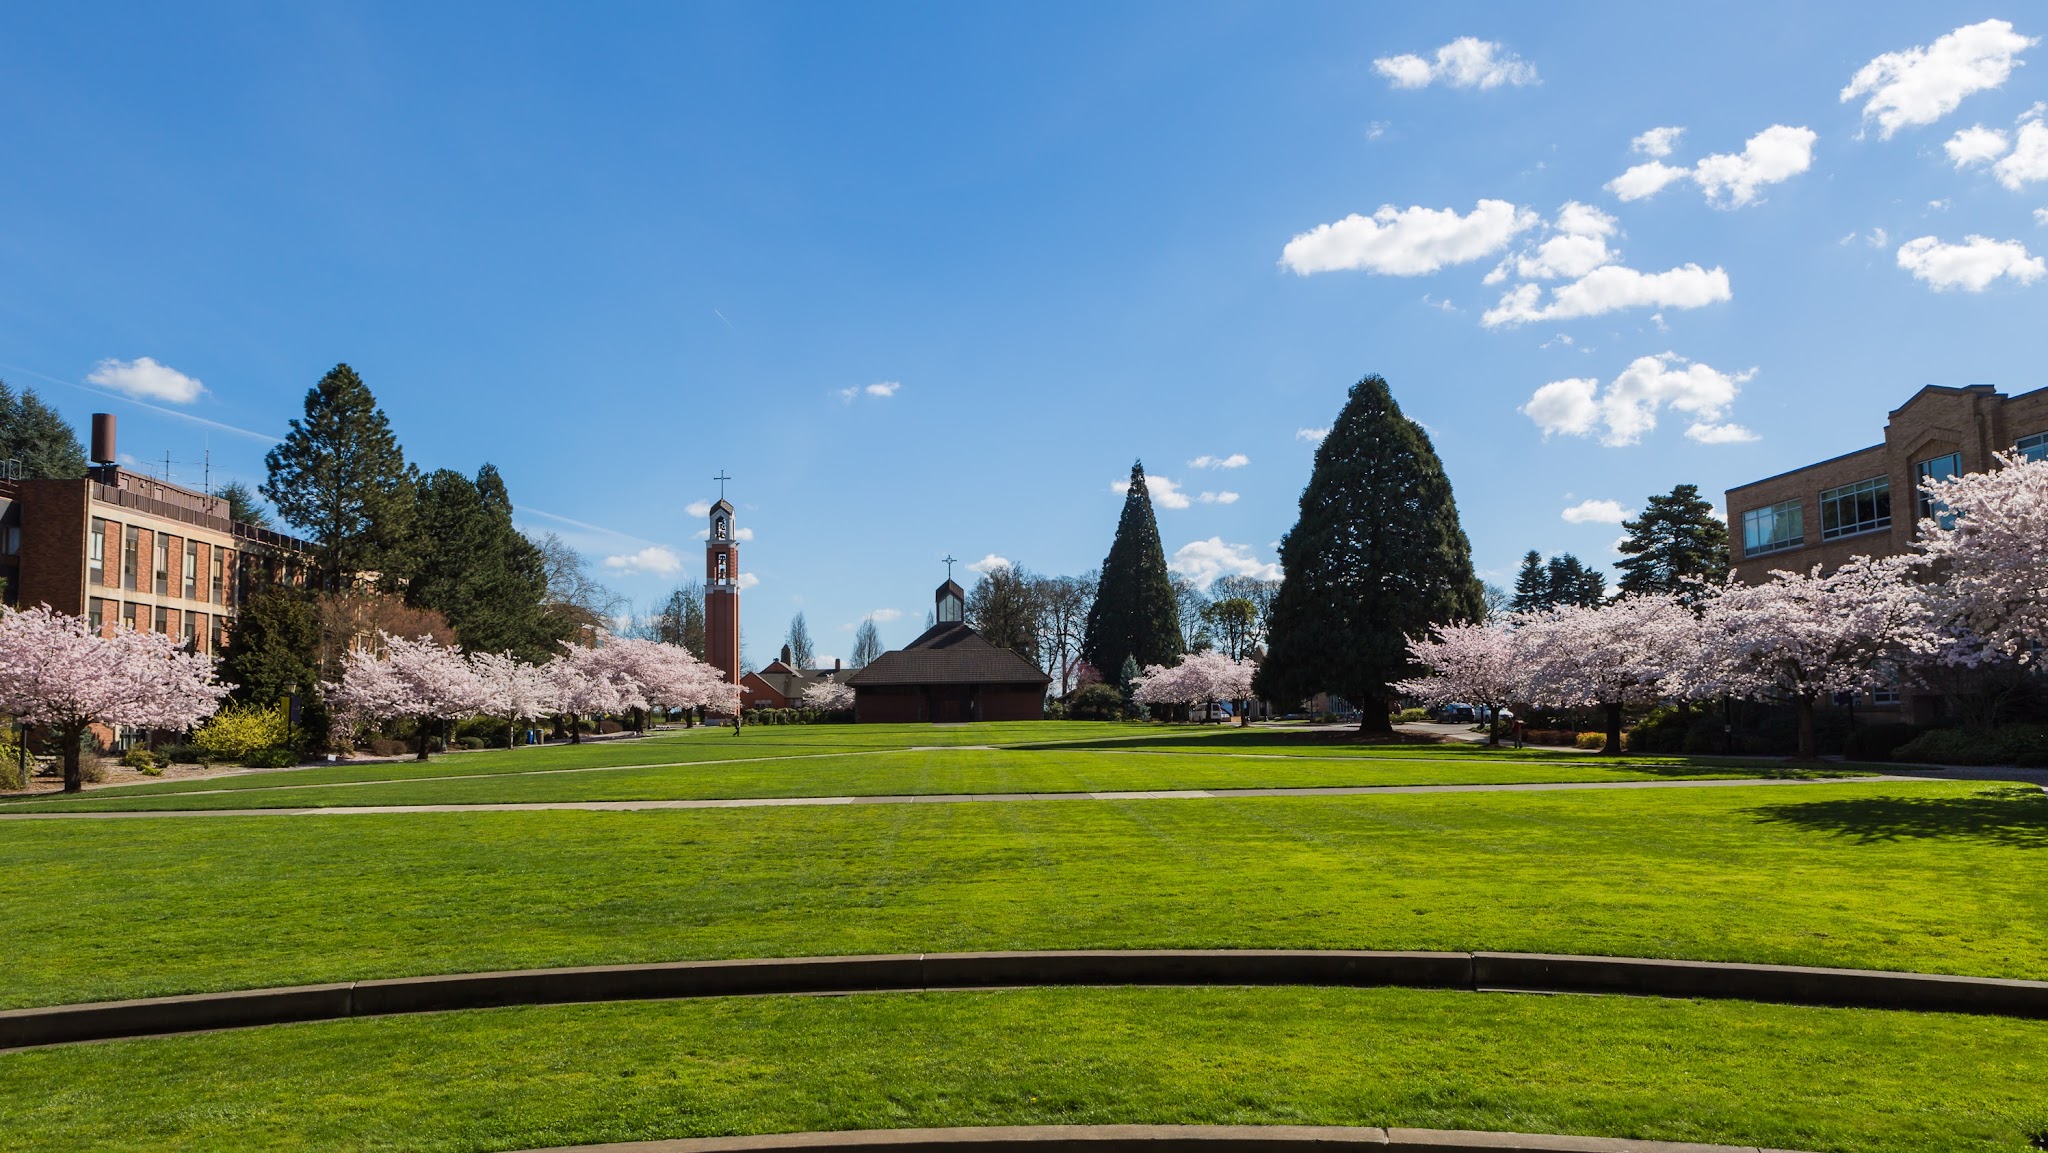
(1136, 616)
(340, 477)
(473, 567)
(31, 432)
(1376, 557)
(1675, 542)
(1532, 585)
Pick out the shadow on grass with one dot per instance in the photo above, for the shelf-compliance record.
(1254, 740)
(2015, 818)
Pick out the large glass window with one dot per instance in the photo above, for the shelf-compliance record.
(1861, 507)
(191, 569)
(1937, 468)
(162, 565)
(1773, 529)
(2034, 447)
(130, 615)
(195, 631)
(131, 559)
(219, 569)
(96, 554)
(163, 620)
(96, 613)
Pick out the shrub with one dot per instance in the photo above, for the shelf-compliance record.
(14, 773)
(750, 717)
(1411, 716)
(1593, 741)
(238, 730)
(184, 754)
(1096, 702)
(92, 768)
(387, 747)
(2006, 745)
(471, 743)
(489, 730)
(1550, 736)
(141, 758)
(1877, 742)
(272, 758)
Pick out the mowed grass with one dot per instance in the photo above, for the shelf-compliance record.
(843, 760)
(1728, 1072)
(1942, 877)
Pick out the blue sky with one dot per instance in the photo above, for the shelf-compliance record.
(927, 278)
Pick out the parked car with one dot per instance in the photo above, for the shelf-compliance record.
(1456, 713)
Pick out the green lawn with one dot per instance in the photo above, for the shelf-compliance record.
(1944, 877)
(1728, 1072)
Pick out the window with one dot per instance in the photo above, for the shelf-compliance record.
(219, 576)
(131, 560)
(128, 611)
(96, 613)
(161, 565)
(721, 568)
(1861, 507)
(163, 620)
(191, 570)
(1773, 529)
(2033, 447)
(1938, 468)
(96, 553)
(195, 631)
(10, 540)
(220, 634)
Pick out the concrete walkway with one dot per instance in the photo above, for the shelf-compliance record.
(954, 798)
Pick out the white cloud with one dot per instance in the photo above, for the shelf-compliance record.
(989, 564)
(1467, 62)
(1376, 129)
(1708, 433)
(1656, 142)
(1203, 561)
(1924, 84)
(2041, 216)
(1647, 179)
(1596, 512)
(1627, 408)
(1218, 498)
(1311, 435)
(1971, 265)
(698, 508)
(1939, 205)
(747, 580)
(1577, 246)
(1611, 289)
(1730, 180)
(1407, 242)
(883, 388)
(2029, 160)
(145, 379)
(1234, 460)
(1166, 493)
(1976, 145)
(884, 616)
(652, 559)
(1878, 238)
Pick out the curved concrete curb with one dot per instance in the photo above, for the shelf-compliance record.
(1156, 1139)
(1522, 972)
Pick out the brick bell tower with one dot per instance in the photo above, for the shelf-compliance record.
(722, 590)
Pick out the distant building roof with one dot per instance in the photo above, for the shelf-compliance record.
(791, 682)
(949, 654)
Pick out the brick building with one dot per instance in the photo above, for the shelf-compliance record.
(119, 547)
(1867, 502)
(781, 684)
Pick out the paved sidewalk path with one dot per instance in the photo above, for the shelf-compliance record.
(953, 798)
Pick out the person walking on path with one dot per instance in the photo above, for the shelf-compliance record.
(735, 723)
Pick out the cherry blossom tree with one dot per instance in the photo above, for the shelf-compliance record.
(1201, 679)
(667, 676)
(417, 678)
(1990, 549)
(1480, 664)
(1804, 636)
(829, 697)
(56, 671)
(591, 682)
(512, 690)
(1629, 651)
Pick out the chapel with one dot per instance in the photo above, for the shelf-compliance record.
(949, 674)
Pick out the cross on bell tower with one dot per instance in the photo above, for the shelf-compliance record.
(722, 588)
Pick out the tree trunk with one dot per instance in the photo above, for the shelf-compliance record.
(1492, 726)
(1373, 718)
(1808, 748)
(74, 775)
(423, 740)
(1613, 748)
(575, 729)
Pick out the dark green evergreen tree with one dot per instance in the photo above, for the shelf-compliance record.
(1532, 585)
(1136, 615)
(242, 505)
(1570, 582)
(473, 567)
(1675, 543)
(273, 654)
(340, 478)
(1377, 556)
(31, 432)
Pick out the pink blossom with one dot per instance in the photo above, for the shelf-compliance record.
(57, 672)
(1991, 548)
(1199, 679)
(408, 678)
(1479, 664)
(829, 696)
